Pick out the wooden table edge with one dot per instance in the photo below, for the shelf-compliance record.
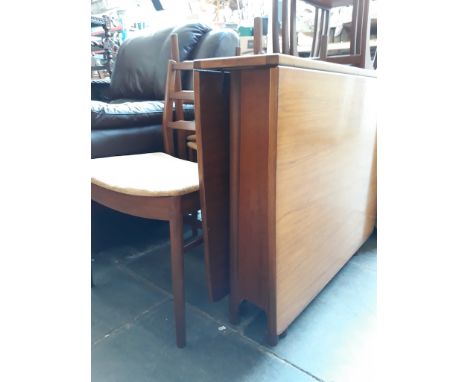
(262, 60)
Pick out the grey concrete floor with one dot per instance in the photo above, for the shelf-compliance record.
(132, 320)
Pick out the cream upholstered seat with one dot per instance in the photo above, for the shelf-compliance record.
(153, 174)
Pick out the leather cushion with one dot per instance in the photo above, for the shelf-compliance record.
(140, 67)
(110, 115)
(129, 113)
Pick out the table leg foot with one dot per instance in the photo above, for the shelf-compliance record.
(272, 339)
(272, 336)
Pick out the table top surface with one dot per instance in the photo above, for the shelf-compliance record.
(262, 60)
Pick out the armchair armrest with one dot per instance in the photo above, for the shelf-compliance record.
(127, 114)
(100, 89)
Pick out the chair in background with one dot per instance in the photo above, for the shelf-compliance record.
(157, 186)
(288, 28)
(359, 54)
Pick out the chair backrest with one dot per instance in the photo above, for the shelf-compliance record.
(179, 88)
(176, 97)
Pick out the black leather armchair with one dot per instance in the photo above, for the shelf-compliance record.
(126, 114)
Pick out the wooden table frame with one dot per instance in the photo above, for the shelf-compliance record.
(287, 165)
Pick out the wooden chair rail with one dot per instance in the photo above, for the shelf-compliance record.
(182, 125)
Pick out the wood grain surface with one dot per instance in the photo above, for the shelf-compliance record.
(254, 191)
(289, 180)
(212, 136)
(325, 180)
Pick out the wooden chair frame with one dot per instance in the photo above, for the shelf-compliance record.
(168, 208)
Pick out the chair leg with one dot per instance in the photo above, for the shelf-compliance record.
(190, 155)
(92, 281)
(194, 224)
(234, 310)
(177, 269)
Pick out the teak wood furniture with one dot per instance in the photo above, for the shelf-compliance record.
(157, 186)
(186, 131)
(359, 54)
(175, 95)
(287, 156)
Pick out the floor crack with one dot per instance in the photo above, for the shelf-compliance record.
(129, 324)
(236, 330)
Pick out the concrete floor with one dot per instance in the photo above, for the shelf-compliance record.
(132, 320)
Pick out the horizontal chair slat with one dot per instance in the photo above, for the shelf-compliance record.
(183, 65)
(182, 125)
(183, 95)
(351, 59)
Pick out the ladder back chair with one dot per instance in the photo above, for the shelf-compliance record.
(157, 186)
(359, 54)
(186, 140)
(186, 145)
(189, 141)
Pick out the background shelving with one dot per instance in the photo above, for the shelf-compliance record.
(104, 46)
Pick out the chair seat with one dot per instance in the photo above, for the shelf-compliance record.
(153, 174)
